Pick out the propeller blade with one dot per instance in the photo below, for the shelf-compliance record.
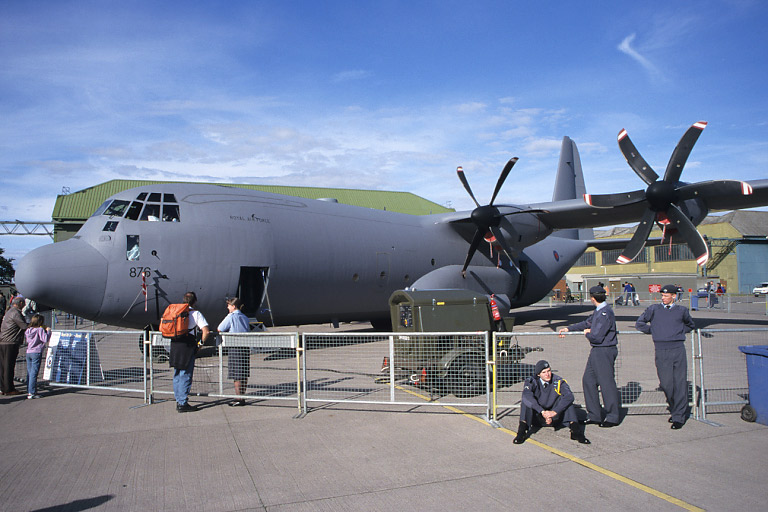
(511, 254)
(682, 150)
(503, 176)
(460, 172)
(472, 248)
(611, 200)
(707, 189)
(637, 242)
(635, 161)
(688, 232)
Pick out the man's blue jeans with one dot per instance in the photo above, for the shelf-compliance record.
(182, 382)
(33, 367)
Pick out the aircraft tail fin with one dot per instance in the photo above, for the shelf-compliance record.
(569, 184)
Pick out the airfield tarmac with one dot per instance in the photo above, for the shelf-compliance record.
(94, 450)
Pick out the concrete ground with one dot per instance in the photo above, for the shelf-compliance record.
(76, 450)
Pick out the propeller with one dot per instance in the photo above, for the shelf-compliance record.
(488, 219)
(664, 196)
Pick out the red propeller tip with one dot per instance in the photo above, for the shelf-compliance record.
(622, 133)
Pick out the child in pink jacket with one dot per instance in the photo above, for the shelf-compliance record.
(37, 336)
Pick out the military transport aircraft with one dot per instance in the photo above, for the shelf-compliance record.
(297, 261)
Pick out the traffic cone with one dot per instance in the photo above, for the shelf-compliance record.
(385, 365)
(422, 379)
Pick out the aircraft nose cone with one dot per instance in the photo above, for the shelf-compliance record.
(69, 275)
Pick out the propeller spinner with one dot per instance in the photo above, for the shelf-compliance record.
(664, 196)
(487, 218)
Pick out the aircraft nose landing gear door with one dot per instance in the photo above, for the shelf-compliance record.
(252, 290)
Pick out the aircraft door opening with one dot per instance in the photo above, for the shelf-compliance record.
(252, 289)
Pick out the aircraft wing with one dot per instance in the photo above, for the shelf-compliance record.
(576, 213)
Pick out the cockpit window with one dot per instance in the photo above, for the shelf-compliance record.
(148, 206)
(134, 210)
(101, 208)
(117, 208)
(151, 212)
(110, 226)
(170, 212)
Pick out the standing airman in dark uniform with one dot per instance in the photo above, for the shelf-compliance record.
(600, 330)
(668, 323)
(547, 401)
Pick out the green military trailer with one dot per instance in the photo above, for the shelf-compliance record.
(452, 363)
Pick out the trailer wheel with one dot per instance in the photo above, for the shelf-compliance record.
(748, 413)
(466, 376)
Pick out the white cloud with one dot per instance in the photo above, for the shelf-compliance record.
(626, 47)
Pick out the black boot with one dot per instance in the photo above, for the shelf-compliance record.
(522, 433)
(577, 434)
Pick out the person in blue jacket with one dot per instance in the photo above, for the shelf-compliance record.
(668, 323)
(547, 401)
(239, 358)
(600, 329)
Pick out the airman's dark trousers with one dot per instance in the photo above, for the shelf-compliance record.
(672, 369)
(599, 372)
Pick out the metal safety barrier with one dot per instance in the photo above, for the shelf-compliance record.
(427, 369)
(111, 360)
(266, 363)
(635, 368)
(467, 370)
(722, 367)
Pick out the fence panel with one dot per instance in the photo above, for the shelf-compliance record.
(388, 368)
(92, 359)
(267, 362)
(723, 367)
(635, 368)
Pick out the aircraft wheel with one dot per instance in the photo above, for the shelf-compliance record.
(748, 413)
(466, 376)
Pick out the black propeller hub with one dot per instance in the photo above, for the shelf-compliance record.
(660, 194)
(485, 217)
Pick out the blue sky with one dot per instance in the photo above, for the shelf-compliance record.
(388, 95)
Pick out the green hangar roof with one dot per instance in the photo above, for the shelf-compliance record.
(78, 206)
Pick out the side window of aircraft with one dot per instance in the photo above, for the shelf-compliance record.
(134, 210)
(151, 212)
(110, 226)
(116, 208)
(170, 212)
(133, 252)
(101, 208)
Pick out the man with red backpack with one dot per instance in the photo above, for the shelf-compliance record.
(183, 349)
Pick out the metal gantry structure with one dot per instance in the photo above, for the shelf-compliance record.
(21, 227)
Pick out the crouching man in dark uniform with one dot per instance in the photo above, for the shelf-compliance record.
(547, 401)
(668, 323)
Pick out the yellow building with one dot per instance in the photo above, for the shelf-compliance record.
(738, 255)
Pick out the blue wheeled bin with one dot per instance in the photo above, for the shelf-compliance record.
(757, 376)
(694, 302)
